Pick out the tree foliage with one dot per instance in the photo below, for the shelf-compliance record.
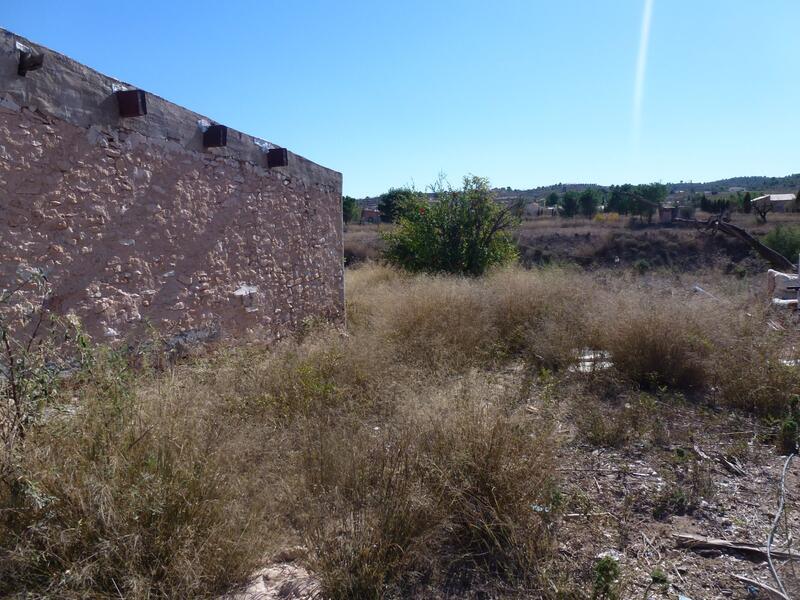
(747, 203)
(569, 204)
(588, 201)
(389, 203)
(350, 209)
(463, 231)
(638, 200)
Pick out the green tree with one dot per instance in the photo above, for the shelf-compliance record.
(552, 199)
(350, 209)
(569, 204)
(747, 203)
(463, 231)
(588, 202)
(620, 199)
(389, 202)
(647, 199)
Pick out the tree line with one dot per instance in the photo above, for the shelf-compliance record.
(640, 201)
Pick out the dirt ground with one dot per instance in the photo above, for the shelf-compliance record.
(616, 497)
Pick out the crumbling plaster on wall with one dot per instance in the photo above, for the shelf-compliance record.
(137, 225)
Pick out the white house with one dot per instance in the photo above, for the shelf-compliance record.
(779, 202)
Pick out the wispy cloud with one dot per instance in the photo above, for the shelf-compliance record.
(641, 69)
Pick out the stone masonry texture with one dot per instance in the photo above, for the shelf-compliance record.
(137, 225)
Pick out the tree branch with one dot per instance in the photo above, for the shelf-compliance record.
(714, 224)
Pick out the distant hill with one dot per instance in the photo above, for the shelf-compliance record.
(788, 183)
(754, 183)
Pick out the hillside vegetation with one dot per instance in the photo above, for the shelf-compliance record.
(418, 453)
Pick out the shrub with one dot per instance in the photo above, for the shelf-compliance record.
(606, 426)
(606, 575)
(690, 484)
(351, 211)
(535, 317)
(442, 323)
(784, 240)
(641, 265)
(464, 232)
(459, 323)
(569, 204)
(371, 517)
(492, 476)
(787, 438)
(29, 365)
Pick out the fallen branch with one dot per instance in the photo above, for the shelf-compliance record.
(731, 466)
(606, 471)
(769, 589)
(722, 460)
(698, 542)
(715, 224)
(591, 514)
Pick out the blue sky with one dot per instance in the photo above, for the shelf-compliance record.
(526, 93)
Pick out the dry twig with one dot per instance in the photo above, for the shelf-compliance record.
(698, 542)
(769, 589)
(775, 522)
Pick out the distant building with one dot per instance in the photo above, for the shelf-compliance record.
(370, 215)
(667, 213)
(534, 209)
(779, 202)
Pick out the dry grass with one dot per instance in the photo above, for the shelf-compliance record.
(398, 454)
(608, 242)
(429, 502)
(363, 243)
(128, 493)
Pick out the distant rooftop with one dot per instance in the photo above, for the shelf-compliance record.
(776, 198)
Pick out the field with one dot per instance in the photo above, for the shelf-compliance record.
(610, 242)
(463, 438)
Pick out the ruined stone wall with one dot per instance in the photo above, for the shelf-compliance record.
(136, 222)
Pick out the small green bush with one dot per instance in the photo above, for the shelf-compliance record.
(463, 232)
(606, 574)
(787, 439)
(785, 240)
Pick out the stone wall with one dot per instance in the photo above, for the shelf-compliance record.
(136, 222)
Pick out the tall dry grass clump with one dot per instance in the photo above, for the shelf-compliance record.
(439, 501)
(724, 350)
(449, 322)
(658, 332)
(125, 493)
(753, 366)
(544, 316)
(659, 342)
